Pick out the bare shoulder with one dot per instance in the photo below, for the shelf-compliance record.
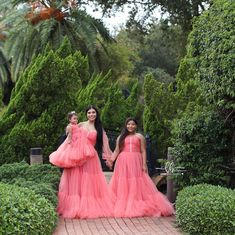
(81, 124)
(140, 136)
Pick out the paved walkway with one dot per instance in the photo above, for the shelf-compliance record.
(118, 226)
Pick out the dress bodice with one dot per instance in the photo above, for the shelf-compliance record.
(91, 137)
(75, 132)
(131, 144)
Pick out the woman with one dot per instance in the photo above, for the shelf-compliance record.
(132, 189)
(83, 191)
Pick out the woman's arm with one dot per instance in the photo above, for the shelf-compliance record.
(107, 152)
(69, 133)
(143, 152)
(114, 156)
(116, 151)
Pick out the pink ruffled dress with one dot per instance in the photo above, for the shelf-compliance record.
(132, 189)
(83, 191)
(75, 153)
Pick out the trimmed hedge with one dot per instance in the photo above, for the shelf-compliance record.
(43, 189)
(23, 212)
(206, 209)
(38, 173)
(43, 179)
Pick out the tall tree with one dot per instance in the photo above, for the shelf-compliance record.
(180, 11)
(34, 24)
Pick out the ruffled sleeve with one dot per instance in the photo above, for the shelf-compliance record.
(107, 152)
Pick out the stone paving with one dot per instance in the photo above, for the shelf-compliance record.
(119, 226)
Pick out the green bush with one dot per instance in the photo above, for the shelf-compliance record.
(24, 212)
(211, 47)
(201, 146)
(38, 173)
(36, 114)
(43, 189)
(162, 105)
(206, 209)
(43, 179)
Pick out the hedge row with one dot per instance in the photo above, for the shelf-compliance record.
(206, 209)
(28, 198)
(22, 212)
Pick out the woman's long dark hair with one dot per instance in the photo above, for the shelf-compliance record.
(99, 129)
(125, 132)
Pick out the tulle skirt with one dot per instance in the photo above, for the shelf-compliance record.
(133, 191)
(72, 154)
(83, 192)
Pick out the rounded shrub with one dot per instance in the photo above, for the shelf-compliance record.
(43, 189)
(22, 212)
(206, 209)
(38, 173)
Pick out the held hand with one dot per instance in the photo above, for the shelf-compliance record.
(145, 168)
(109, 164)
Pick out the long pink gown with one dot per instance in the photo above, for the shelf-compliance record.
(132, 189)
(83, 191)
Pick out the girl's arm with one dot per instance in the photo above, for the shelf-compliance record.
(115, 154)
(116, 151)
(69, 133)
(143, 152)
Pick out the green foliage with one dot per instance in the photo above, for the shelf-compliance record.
(24, 212)
(109, 98)
(162, 105)
(179, 11)
(201, 146)
(94, 93)
(36, 114)
(37, 173)
(28, 36)
(163, 48)
(211, 47)
(43, 189)
(206, 209)
(43, 179)
(204, 136)
(114, 112)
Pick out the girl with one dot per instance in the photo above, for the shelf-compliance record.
(132, 189)
(71, 152)
(83, 191)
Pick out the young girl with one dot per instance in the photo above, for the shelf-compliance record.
(72, 152)
(132, 189)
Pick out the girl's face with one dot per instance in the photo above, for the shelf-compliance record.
(131, 126)
(91, 115)
(74, 119)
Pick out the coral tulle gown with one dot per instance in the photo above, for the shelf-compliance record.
(132, 189)
(83, 191)
(75, 153)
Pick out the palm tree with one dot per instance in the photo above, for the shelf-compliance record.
(33, 24)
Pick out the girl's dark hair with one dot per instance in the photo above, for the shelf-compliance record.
(125, 132)
(99, 129)
(70, 114)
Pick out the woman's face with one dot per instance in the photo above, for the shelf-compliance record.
(131, 126)
(74, 119)
(91, 114)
